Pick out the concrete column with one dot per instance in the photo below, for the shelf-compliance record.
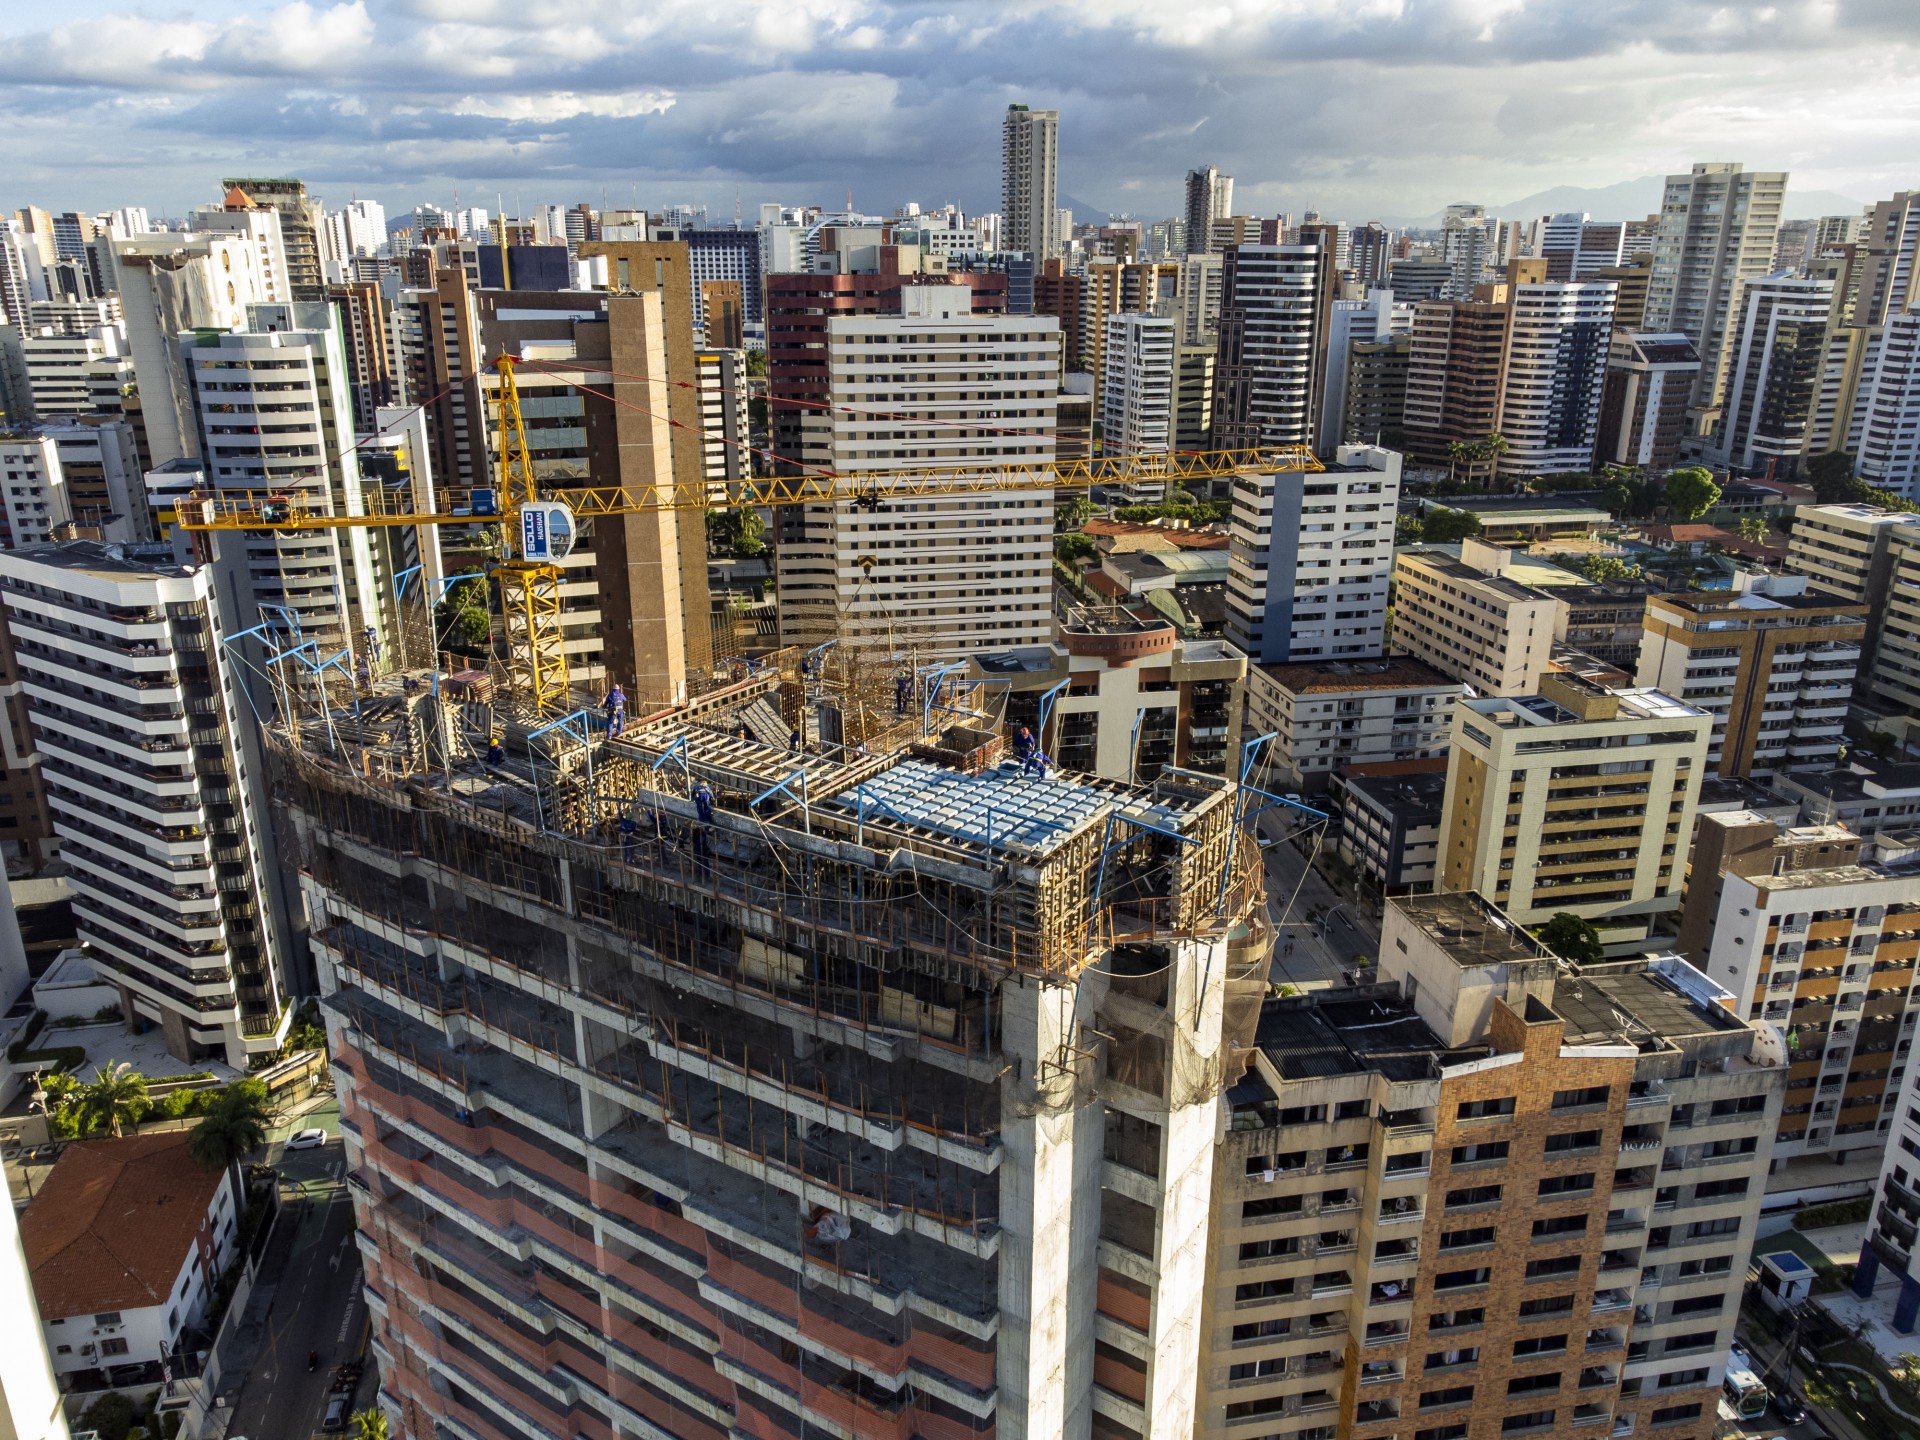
(1049, 1221)
(1907, 1308)
(1866, 1272)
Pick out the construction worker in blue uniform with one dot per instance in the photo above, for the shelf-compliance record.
(902, 693)
(703, 807)
(629, 828)
(616, 708)
(496, 752)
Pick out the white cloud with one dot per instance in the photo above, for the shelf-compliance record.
(565, 104)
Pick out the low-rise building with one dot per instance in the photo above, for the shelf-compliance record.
(1348, 712)
(1138, 697)
(1771, 663)
(1579, 798)
(1468, 619)
(1390, 824)
(125, 1242)
(1863, 794)
(1523, 1202)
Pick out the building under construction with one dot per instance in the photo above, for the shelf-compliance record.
(762, 1066)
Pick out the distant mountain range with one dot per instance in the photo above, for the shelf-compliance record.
(1633, 200)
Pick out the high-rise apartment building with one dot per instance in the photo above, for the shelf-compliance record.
(276, 413)
(301, 218)
(1137, 385)
(1030, 181)
(366, 332)
(1643, 404)
(1885, 435)
(437, 361)
(1369, 248)
(1451, 1209)
(46, 370)
(1454, 365)
(1772, 362)
(1061, 293)
(1578, 798)
(726, 456)
(174, 282)
(1352, 323)
(35, 504)
(1469, 620)
(1717, 226)
(1310, 559)
(1209, 198)
(1553, 373)
(964, 571)
(1869, 556)
(1193, 396)
(703, 1244)
(136, 718)
(1817, 937)
(1773, 665)
(1273, 338)
(1466, 247)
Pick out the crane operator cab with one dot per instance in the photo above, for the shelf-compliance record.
(547, 531)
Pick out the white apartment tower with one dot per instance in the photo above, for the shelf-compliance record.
(1137, 385)
(171, 283)
(1349, 322)
(1886, 434)
(1557, 338)
(1271, 341)
(1717, 227)
(136, 719)
(1772, 362)
(933, 386)
(1030, 181)
(276, 413)
(1311, 557)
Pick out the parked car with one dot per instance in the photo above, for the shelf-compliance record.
(308, 1139)
(1789, 1407)
(337, 1413)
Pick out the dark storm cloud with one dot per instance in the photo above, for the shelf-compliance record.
(1363, 106)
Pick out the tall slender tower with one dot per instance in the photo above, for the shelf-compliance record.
(1717, 227)
(1209, 198)
(1030, 181)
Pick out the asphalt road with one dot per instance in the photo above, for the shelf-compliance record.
(318, 1306)
(1324, 930)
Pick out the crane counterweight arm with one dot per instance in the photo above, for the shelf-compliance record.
(274, 510)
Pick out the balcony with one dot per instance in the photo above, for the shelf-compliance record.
(1611, 1300)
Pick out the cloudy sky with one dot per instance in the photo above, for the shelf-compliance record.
(1361, 107)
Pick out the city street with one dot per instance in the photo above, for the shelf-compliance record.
(1325, 931)
(317, 1305)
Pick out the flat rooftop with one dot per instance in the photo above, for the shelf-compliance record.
(1352, 1037)
(1409, 795)
(108, 560)
(1454, 568)
(1389, 672)
(1852, 783)
(1632, 1005)
(1470, 930)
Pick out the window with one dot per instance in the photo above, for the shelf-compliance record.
(1452, 1395)
(1559, 1265)
(1569, 1184)
(1720, 1189)
(1481, 1153)
(1466, 1239)
(1473, 1195)
(1674, 1414)
(1484, 1109)
(1682, 1379)
(1441, 1359)
(113, 1346)
(111, 1317)
(1565, 1225)
(1456, 1319)
(1569, 1140)
(1574, 1099)
(1531, 1420)
(1698, 1305)
(1534, 1384)
(1552, 1305)
(1543, 1345)
(1462, 1279)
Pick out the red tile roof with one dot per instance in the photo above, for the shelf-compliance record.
(114, 1223)
(1104, 583)
(1183, 539)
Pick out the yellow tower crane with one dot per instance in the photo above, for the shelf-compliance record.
(538, 532)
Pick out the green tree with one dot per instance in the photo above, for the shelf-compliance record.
(1073, 512)
(1069, 548)
(1751, 527)
(1829, 475)
(111, 1416)
(1619, 499)
(1410, 531)
(233, 1127)
(463, 620)
(756, 364)
(1448, 527)
(1458, 452)
(1602, 568)
(1571, 938)
(739, 531)
(1691, 493)
(114, 1098)
(1488, 449)
(370, 1424)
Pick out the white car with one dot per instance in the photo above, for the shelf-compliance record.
(308, 1139)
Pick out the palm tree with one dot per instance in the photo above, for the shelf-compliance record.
(114, 1097)
(371, 1424)
(1488, 450)
(234, 1126)
(1457, 450)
